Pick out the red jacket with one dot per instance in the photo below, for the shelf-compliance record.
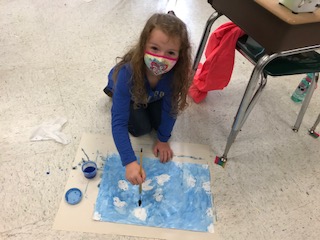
(216, 71)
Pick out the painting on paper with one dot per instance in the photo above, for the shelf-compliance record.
(175, 195)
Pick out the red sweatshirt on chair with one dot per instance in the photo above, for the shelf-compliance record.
(216, 71)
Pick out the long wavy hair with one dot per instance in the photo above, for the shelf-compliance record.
(174, 28)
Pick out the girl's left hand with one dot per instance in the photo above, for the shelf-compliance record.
(163, 151)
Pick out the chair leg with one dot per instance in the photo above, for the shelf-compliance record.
(214, 16)
(313, 128)
(249, 100)
(255, 98)
(242, 115)
(306, 102)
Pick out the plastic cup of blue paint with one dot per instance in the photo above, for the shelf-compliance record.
(89, 169)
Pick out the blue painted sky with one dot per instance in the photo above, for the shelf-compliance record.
(175, 195)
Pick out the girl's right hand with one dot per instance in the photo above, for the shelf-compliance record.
(133, 173)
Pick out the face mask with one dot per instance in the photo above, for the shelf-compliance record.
(159, 64)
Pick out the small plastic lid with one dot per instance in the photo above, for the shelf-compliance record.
(73, 196)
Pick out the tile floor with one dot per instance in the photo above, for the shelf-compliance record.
(54, 61)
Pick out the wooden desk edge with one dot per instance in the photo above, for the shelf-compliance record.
(286, 15)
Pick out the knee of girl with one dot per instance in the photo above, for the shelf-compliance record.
(142, 130)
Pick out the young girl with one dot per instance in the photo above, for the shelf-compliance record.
(149, 88)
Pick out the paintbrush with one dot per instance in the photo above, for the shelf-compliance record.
(140, 185)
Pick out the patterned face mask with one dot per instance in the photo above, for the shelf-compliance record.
(159, 64)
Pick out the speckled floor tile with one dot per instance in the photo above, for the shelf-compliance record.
(54, 61)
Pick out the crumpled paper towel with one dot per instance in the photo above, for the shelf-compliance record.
(51, 131)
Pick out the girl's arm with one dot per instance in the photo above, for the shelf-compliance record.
(120, 115)
(162, 148)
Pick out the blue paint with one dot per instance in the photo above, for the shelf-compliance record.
(192, 157)
(184, 201)
(89, 169)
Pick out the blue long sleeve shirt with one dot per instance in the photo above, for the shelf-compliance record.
(121, 109)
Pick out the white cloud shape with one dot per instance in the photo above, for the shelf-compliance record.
(162, 179)
(146, 185)
(118, 203)
(123, 185)
(206, 187)
(140, 213)
(191, 181)
(158, 195)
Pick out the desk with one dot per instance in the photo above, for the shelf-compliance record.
(280, 32)
(286, 15)
(272, 25)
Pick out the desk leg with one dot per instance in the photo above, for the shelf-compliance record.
(249, 100)
(306, 102)
(214, 16)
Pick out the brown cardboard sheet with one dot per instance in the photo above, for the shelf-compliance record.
(79, 217)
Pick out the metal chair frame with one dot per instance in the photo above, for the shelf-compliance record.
(253, 91)
(313, 128)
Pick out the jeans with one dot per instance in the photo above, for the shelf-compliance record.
(142, 120)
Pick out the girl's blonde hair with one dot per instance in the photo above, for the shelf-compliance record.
(174, 28)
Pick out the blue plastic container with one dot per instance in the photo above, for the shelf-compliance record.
(89, 169)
